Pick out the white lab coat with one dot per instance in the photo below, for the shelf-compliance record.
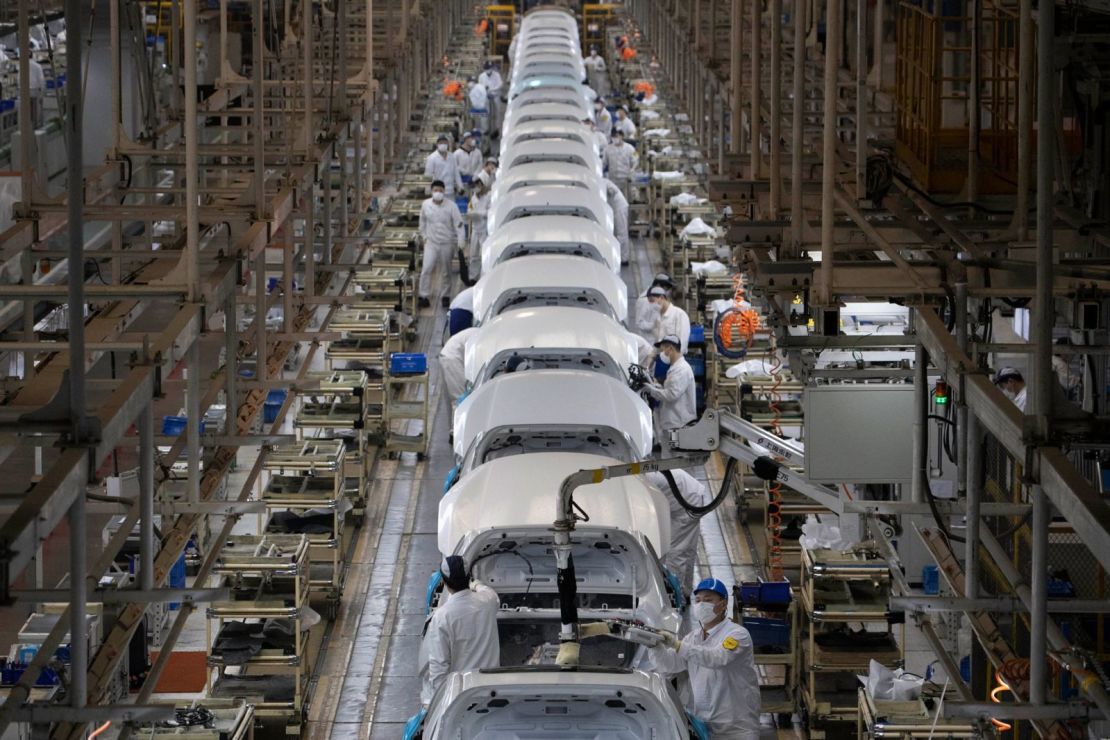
(478, 212)
(625, 126)
(442, 167)
(600, 141)
(645, 350)
(479, 107)
(452, 363)
(1019, 400)
(723, 679)
(645, 317)
(674, 321)
(468, 163)
(677, 401)
(464, 300)
(604, 123)
(596, 74)
(491, 80)
(619, 204)
(441, 226)
(683, 553)
(461, 636)
(620, 161)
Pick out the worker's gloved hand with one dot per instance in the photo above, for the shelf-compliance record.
(568, 654)
(593, 629)
(672, 641)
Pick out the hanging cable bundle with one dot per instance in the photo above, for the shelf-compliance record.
(734, 329)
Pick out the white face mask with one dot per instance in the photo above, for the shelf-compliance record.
(704, 612)
(468, 145)
(665, 358)
(593, 53)
(442, 148)
(1009, 394)
(437, 196)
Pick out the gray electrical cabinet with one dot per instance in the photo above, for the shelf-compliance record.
(859, 433)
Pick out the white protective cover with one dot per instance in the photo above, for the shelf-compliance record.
(531, 98)
(540, 397)
(545, 131)
(549, 82)
(543, 112)
(461, 704)
(550, 271)
(553, 231)
(550, 200)
(551, 150)
(549, 327)
(521, 491)
(546, 173)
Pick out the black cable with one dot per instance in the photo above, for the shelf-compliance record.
(531, 570)
(956, 204)
(700, 511)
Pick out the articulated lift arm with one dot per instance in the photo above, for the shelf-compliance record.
(720, 431)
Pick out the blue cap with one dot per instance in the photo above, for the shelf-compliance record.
(714, 585)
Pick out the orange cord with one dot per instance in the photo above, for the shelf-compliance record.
(99, 730)
(1012, 673)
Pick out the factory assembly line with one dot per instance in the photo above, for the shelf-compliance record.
(552, 370)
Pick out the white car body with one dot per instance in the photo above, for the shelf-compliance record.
(551, 235)
(521, 702)
(508, 505)
(550, 279)
(544, 173)
(552, 150)
(574, 409)
(530, 61)
(550, 337)
(550, 200)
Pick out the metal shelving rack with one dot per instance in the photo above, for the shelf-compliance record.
(839, 588)
(406, 400)
(334, 405)
(308, 476)
(269, 575)
(903, 720)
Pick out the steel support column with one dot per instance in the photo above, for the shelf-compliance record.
(797, 130)
(834, 29)
(735, 71)
(146, 497)
(776, 109)
(754, 125)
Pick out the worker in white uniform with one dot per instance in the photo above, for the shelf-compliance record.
(491, 80)
(1012, 384)
(602, 119)
(596, 72)
(624, 124)
(477, 212)
(600, 140)
(460, 312)
(683, 553)
(462, 633)
(619, 204)
(620, 160)
(719, 657)
(491, 169)
(468, 159)
(440, 165)
(669, 318)
(479, 105)
(452, 363)
(645, 310)
(443, 230)
(37, 85)
(677, 402)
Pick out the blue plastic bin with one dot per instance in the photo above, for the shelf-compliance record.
(174, 426)
(767, 632)
(270, 409)
(697, 334)
(407, 363)
(930, 579)
(177, 579)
